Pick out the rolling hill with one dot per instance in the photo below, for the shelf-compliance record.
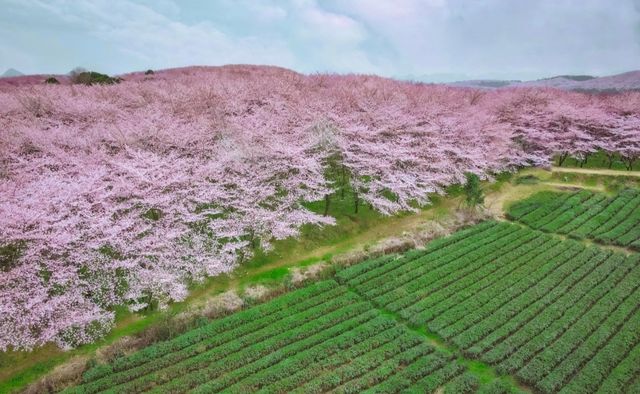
(613, 83)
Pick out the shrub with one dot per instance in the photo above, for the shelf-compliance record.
(52, 81)
(496, 387)
(92, 78)
(153, 214)
(474, 196)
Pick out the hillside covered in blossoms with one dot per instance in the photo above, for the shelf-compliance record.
(126, 194)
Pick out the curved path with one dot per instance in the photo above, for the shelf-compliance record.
(594, 171)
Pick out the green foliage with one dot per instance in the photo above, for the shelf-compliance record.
(52, 81)
(149, 72)
(497, 387)
(10, 254)
(153, 214)
(474, 196)
(463, 384)
(505, 176)
(527, 302)
(455, 190)
(92, 78)
(110, 252)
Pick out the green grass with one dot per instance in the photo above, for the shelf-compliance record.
(598, 160)
(275, 275)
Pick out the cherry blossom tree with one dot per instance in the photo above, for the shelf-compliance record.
(127, 194)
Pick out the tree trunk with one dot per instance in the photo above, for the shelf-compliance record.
(610, 157)
(356, 201)
(563, 157)
(252, 239)
(327, 201)
(629, 163)
(344, 182)
(584, 161)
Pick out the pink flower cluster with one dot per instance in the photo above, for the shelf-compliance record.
(127, 194)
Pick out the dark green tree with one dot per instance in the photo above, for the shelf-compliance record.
(93, 78)
(474, 196)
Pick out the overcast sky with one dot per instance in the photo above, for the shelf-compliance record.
(421, 39)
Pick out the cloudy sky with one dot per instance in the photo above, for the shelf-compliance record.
(420, 39)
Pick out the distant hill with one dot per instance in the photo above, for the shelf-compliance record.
(12, 72)
(484, 83)
(29, 80)
(574, 77)
(587, 83)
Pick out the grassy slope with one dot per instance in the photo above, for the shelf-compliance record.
(353, 231)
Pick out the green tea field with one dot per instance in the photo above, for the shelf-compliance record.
(537, 311)
(607, 220)
(560, 316)
(323, 337)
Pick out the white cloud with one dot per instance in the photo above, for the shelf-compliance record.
(142, 32)
(336, 29)
(329, 41)
(393, 37)
(539, 37)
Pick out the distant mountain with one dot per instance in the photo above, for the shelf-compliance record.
(12, 72)
(484, 83)
(574, 77)
(620, 82)
(614, 83)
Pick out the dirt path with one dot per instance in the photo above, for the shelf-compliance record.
(498, 201)
(560, 185)
(591, 171)
(388, 227)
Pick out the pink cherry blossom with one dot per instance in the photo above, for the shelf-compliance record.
(127, 194)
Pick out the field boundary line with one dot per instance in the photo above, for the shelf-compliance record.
(439, 343)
